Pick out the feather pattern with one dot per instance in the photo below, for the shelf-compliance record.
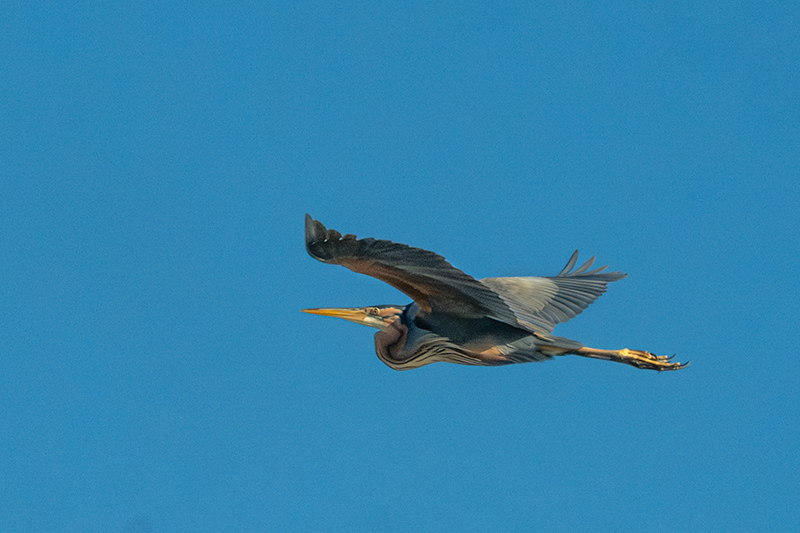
(433, 283)
(539, 303)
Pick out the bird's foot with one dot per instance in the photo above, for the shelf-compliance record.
(637, 358)
(649, 361)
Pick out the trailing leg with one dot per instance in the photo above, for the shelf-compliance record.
(637, 358)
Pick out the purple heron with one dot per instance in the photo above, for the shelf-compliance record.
(456, 318)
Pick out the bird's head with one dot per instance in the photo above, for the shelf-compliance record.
(376, 316)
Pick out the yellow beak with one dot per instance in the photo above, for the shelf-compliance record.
(346, 313)
(357, 315)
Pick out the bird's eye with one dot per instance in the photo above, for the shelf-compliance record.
(373, 311)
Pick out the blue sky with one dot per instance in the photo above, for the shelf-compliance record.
(156, 373)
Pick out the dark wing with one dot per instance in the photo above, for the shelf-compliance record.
(541, 303)
(433, 283)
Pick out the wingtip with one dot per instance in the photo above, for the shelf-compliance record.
(314, 229)
(571, 263)
(318, 239)
(311, 233)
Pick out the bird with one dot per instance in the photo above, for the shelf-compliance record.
(456, 318)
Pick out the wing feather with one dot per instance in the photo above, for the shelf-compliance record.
(539, 303)
(432, 282)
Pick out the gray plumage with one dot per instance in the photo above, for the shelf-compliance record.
(456, 318)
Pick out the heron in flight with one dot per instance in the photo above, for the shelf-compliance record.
(456, 318)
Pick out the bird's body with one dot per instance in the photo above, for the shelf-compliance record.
(458, 319)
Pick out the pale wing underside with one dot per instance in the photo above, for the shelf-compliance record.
(539, 303)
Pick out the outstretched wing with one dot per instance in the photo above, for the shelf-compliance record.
(539, 303)
(432, 282)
